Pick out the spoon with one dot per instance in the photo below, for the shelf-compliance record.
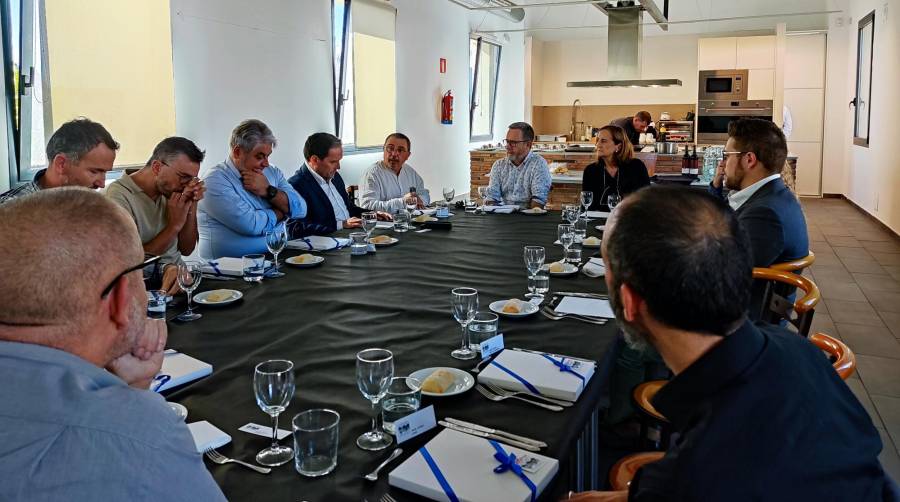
(373, 476)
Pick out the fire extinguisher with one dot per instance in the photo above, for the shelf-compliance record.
(447, 108)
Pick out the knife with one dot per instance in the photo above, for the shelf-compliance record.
(473, 432)
(586, 361)
(488, 430)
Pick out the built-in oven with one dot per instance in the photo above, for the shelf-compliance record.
(722, 85)
(714, 116)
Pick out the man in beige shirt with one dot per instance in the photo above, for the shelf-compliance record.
(162, 200)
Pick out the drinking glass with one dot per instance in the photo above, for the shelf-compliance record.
(370, 220)
(542, 282)
(613, 200)
(253, 267)
(465, 306)
(359, 243)
(374, 370)
(570, 213)
(189, 276)
(449, 193)
(483, 327)
(566, 235)
(482, 194)
(156, 304)
(404, 395)
(580, 227)
(411, 204)
(275, 241)
(534, 260)
(273, 385)
(586, 199)
(401, 221)
(316, 434)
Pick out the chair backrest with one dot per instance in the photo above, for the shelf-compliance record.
(623, 471)
(776, 307)
(796, 265)
(842, 358)
(351, 192)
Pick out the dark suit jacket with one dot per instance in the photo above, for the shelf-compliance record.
(320, 219)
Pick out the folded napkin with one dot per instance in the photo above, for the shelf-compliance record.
(178, 369)
(459, 466)
(594, 268)
(427, 211)
(594, 307)
(504, 209)
(597, 214)
(226, 266)
(207, 435)
(544, 374)
(384, 224)
(318, 243)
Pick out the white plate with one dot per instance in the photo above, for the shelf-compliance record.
(179, 410)
(585, 244)
(391, 242)
(535, 210)
(600, 227)
(317, 260)
(419, 219)
(528, 308)
(448, 215)
(461, 383)
(569, 269)
(201, 297)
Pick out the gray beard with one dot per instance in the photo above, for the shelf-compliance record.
(633, 337)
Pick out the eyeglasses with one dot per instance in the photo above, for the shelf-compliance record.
(512, 142)
(725, 154)
(148, 261)
(183, 177)
(392, 149)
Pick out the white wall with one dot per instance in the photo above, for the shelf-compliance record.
(273, 62)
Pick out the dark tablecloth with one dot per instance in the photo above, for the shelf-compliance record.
(398, 299)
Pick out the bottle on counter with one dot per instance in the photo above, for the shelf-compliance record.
(685, 163)
(662, 132)
(695, 163)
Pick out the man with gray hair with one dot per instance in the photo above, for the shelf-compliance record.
(246, 196)
(79, 153)
(77, 355)
(162, 200)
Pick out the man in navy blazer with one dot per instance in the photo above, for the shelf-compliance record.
(329, 208)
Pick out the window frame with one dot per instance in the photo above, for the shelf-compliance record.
(474, 86)
(863, 23)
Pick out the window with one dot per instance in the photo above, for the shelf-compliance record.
(862, 100)
(107, 60)
(365, 83)
(484, 70)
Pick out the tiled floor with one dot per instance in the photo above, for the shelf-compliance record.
(857, 269)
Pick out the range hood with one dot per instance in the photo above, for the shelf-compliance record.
(625, 36)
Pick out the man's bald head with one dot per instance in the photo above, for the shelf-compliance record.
(59, 249)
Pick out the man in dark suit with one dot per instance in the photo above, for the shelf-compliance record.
(328, 206)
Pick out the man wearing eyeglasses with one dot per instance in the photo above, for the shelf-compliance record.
(162, 200)
(387, 184)
(77, 355)
(523, 177)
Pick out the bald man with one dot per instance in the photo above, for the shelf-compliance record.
(77, 355)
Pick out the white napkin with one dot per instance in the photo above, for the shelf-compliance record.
(181, 369)
(539, 372)
(428, 211)
(594, 268)
(600, 227)
(226, 266)
(594, 307)
(384, 224)
(318, 243)
(207, 435)
(504, 209)
(597, 214)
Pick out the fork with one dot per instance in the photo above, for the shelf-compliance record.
(387, 498)
(220, 459)
(550, 314)
(511, 393)
(494, 397)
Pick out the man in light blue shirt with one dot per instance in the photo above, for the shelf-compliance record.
(245, 196)
(523, 177)
(77, 355)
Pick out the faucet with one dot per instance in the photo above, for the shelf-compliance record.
(572, 131)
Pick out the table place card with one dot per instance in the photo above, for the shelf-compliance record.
(491, 346)
(585, 306)
(264, 431)
(412, 425)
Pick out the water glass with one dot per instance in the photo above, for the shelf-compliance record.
(401, 221)
(156, 304)
(275, 242)
(316, 439)
(483, 327)
(573, 255)
(370, 220)
(441, 209)
(189, 276)
(449, 193)
(580, 228)
(534, 260)
(374, 370)
(254, 267)
(273, 386)
(482, 194)
(570, 213)
(566, 234)
(465, 306)
(404, 395)
(540, 283)
(359, 244)
(613, 200)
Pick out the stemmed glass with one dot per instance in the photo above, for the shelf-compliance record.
(534, 260)
(411, 204)
(586, 199)
(374, 370)
(370, 220)
(570, 213)
(273, 385)
(465, 306)
(566, 233)
(613, 200)
(189, 276)
(482, 194)
(449, 193)
(275, 241)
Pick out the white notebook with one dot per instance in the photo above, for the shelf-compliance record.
(181, 369)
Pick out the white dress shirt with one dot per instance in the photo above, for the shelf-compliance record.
(737, 199)
(341, 214)
(382, 190)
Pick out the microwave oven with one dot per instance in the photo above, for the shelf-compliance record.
(723, 85)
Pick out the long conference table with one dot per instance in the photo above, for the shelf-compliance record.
(398, 299)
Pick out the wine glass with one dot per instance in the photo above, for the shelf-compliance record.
(586, 199)
(613, 200)
(189, 276)
(275, 241)
(566, 233)
(482, 194)
(374, 370)
(273, 385)
(465, 306)
(570, 213)
(411, 203)
(370, 220)
(449, 193)
(534, 260)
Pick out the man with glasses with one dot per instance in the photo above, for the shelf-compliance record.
(386, 185)
(79, 153)
(523, 177)
(162, 200)
(77, 356)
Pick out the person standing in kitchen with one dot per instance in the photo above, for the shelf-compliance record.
(634, 126)
(616, 172)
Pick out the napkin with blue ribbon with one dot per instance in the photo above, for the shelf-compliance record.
(318, 243)
(459, 467)
(226, 266)
(547, 375)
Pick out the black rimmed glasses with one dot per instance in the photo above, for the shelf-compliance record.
(148, 261)
(513, 142)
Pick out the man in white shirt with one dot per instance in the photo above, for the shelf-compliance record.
(523, 177)
(391, 183)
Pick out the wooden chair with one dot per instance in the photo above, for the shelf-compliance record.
(623, 471)
(351, 192)
(840, 355)
(796, 265)
(776, 307)
(642, 395)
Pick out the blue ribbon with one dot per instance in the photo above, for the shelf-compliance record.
(511, 373)
(508, 463)
(566, 368)
(448, 490)
(304, 239)
(337, 243)
(215, 266)
(159, 381)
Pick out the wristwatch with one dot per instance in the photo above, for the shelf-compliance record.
(271, 192)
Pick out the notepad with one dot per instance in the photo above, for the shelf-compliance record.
(182, 369)
(593, 307)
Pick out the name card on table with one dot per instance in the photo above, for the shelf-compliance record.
(491, 346)
(414, 424)
(262, 430)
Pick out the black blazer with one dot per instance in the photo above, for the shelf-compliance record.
(319, 219)
(631, 176)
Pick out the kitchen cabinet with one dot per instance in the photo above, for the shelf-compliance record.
(761, 83)
(717, 53)
(755, 52)
(804, 62)
(809, 166)
(807, 108)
